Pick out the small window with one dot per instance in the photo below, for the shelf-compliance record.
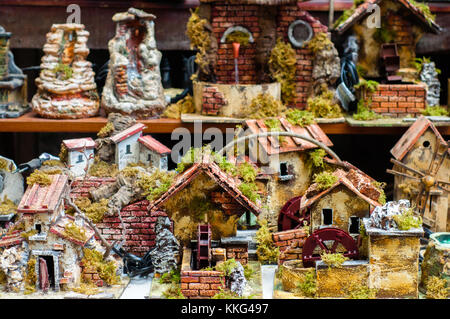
(80, 159)
(38, 228)
(354, 225)
(128, 149)
(149, 157)
(327, 216)
(283, 169)
(426, 144)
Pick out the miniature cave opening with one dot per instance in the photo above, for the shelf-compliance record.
(67, 47)
(137, 33)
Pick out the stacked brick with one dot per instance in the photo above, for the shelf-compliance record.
(286, 15)
(201, 284)
(81, 187)
(238, 252)
(290, 243)
(398, 100)
(403, 32)
(212, 100)
(224, 16)
(228, 204)
(90, 274)
(139, 224)
(120, 79)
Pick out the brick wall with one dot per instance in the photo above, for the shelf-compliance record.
(286, 15)
(229, 205)
(404, 35)
(81, 188)
(224, 16)
(238, 252)
(212, 100)
(90, 274)
(140, 227)
(201, 284)
(139, 222)
(290, 243)
(398, 100)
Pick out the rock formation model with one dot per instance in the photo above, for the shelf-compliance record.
(66, 87)
(133, 86)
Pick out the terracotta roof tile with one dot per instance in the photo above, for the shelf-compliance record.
(58, 229)
(361, 12)
(79, 143)
(136, 128)
(290, 144)
(154, 145)
(209, 167)
(44, 199)
(12, 239)
(342, 180)
(410, 137)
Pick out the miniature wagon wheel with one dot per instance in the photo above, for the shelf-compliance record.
(329, 240)
(291, 216)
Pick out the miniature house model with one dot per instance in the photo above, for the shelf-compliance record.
(133, 86)
(56, 251)
(286, 173)
(13, 83)
(422, 168)
(240, 73)
(344, 204)
(132, 147)
(66, 86)
(387, 51)
(80, 154)
(153, 152)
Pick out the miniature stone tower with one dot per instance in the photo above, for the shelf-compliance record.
(133, 86)
(66, 87)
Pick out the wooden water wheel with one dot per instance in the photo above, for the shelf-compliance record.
(291, 217)
(204, 246)
(329, 240)
(428, 184)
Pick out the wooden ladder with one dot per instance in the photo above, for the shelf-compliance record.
(203, 246)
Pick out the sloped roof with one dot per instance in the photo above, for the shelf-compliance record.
(136, 128)
(353, 180)
(290, 144)
(43, 199)
(210, 168)
(149, 142)
(414, 132)
(79, 143)
(362, 11)
(58, 229)
(12, 239)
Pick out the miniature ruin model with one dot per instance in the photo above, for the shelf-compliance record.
(80, 154)
(66, 86)
(239, 57)
(387, 53)
(13, 83)
(421, 169)
(133, 86)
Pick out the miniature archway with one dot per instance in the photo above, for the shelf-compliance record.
(234, 29)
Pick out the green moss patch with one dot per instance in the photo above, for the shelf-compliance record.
(183, 106)
(105, 269)
(63, 71)
(299, 117)
(435, 111)
(240, 37)
(39, 177)
(334, 260)
(282, 67)
(263, 106)
(319, 42)
(407, 220)
(7, 207)
(199, 37)
(156, 184)
(359, 291)
(322, 105)
(437, 288)
(102, 169)
(106, 130)
(30, 277)
(266, 250)
(307, 287)
(325, 180)
(72, 230)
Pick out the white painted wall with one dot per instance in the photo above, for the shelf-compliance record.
(122, 157)
(78, 161)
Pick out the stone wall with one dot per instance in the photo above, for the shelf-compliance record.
(286, 15)
(398, 100)
(337, 282)
(290, 243)
(238, 252)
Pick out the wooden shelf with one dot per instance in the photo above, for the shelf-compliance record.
(31, 123)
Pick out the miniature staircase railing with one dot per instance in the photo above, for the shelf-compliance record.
(203, 246)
